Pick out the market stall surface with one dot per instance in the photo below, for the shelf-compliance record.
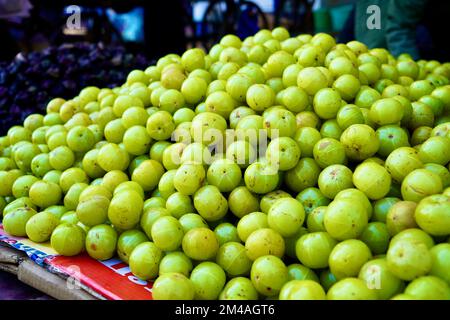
(13, 289)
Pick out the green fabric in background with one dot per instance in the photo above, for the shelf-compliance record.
(399, 19)
(375, 38)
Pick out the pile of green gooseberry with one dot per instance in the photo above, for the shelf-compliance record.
(337, 188)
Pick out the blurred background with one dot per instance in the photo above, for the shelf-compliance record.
(154, 28)
(55, 48)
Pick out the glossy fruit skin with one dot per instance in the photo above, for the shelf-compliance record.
(286, 216)
(144, 260)
(329, 151)
(334, 179)
(345, 219)
(353, 193)
(414, 234)
(408, 259)
(314, 220)
(40, 226)
(327, 279)
(251, 222)
(304, 175)
(358, 146)
(441, 171)
(419, 184)
(347, 258)
(263, 242)
(401, 162)
(16, 204)
(16, 220)
(312, 198)
(240, 207)
(101, 242)
(200, 244)
(428, 288)
(372, 179)
(376, 237)
(435, 150)
(327, 103)
(432, 214)
(226, 232)
(233, 259)
(191, 220)
(224, 174)
(239, 288)
(189, 178)
(283, 152)
(93, 211)
(401, 216)
(313, 249)
(45, 194)
(127, 241)
(167, 233)
(270, 198)
(297, 271)
(210, 203)
(386, 111)
(175, 261)
(268, 275)
(173, 286)
(68, 239)
(208, 279)
(351, 289)
(440, 256)
(381, 208)
(391, 138)
(379, 279)
(125, 209)
(148, 174)
(302, 290)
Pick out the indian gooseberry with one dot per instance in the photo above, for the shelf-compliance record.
(351, 289)
(268, 275)
(379, 279)
(345, 219)
(302, 290)
(419, 184)
(381, 208)
(428, 288)
(401, 216)
(329, 151)
(312, 198)
(401, 162)
(334, 179)
(296, 271)
(408, 259)
(360, 141)
(358, 195)
(372, 179)
(347, 258)
(285, 216)
(432, 214)
(313, 249)
(173, 286)
(262, 242)
(376, 237)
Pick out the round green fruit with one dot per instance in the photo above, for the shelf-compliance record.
(68, 239)
(268, 275)
(372, 179)
(419, 184)
(144, 261)
(408, 259)
(101, 242)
